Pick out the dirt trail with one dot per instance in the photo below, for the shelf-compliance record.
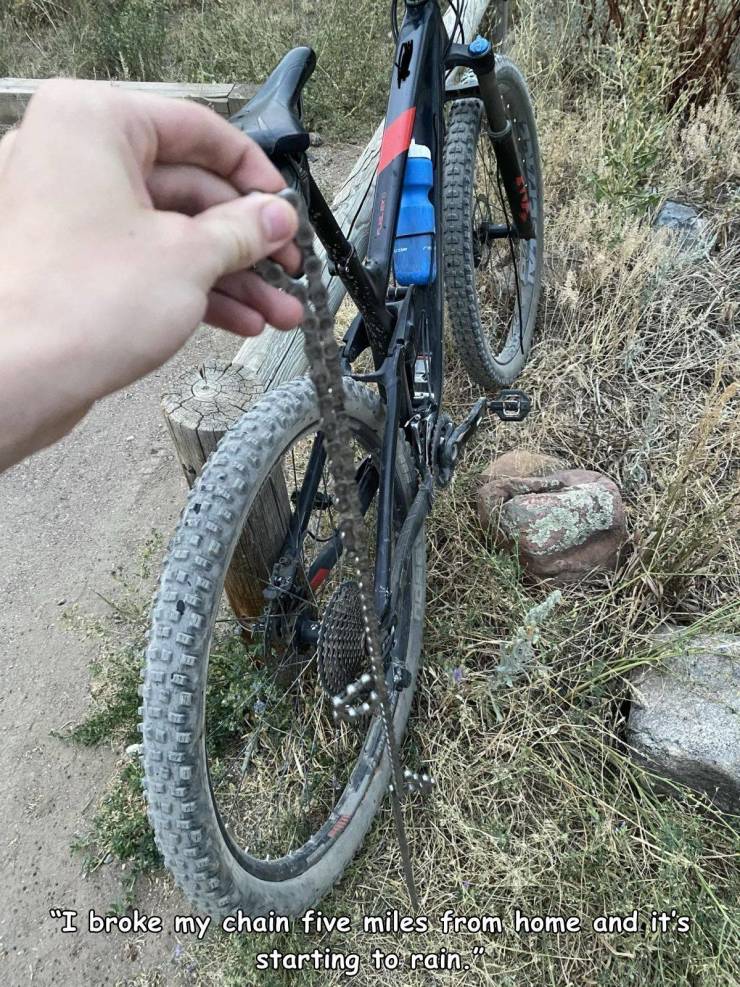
(70, 515)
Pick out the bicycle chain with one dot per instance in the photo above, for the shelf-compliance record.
(326, 374)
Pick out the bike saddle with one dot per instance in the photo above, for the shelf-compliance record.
(272, 116)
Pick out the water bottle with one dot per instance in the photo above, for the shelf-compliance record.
(413, 250)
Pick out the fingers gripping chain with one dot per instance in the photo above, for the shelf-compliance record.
(325, 371)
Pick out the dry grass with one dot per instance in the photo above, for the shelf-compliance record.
(634, 373)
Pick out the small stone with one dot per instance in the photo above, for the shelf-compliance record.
(690, 230)
(684, 720)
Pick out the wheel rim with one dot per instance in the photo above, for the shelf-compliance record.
(285, 779)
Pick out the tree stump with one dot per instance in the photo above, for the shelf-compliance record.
(198, 412)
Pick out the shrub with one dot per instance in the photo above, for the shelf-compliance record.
(697, 36)
(128, 38)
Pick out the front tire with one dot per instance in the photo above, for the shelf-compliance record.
(492, 287)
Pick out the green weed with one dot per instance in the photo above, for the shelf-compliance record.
(120, 832)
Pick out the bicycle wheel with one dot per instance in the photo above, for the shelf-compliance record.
(257, 797)
(492, 285)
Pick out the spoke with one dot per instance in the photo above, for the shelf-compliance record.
(295, 473)
(326, 493)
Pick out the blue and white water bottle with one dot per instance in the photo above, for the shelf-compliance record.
(413, 251)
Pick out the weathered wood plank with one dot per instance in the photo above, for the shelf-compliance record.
(223, 97)
(276, 356)
(241, 93)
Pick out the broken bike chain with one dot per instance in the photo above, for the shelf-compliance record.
(325, 372)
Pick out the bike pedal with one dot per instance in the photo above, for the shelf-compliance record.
(511, 405)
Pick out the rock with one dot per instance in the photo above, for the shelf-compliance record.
(521, 462)
(564, 525)
(684, 720)
(496, 481)
(685, 223)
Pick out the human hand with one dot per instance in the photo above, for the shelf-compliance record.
(123, 224)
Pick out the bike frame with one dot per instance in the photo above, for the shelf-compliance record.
(402, 328)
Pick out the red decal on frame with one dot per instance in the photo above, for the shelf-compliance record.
(318, 578)
(397, 137)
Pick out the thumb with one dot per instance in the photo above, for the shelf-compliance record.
(246, 230)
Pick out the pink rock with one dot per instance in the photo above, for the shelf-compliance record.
(564, 524)
(521, 462)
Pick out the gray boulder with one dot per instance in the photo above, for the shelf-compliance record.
(684, 721)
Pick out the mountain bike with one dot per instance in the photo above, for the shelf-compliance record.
(258, 792)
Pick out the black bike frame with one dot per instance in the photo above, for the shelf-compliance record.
(401, 327)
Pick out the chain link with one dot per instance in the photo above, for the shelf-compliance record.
(325, 372)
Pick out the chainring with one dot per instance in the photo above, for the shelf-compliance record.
(442, 429)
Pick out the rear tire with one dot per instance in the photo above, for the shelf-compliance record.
(216, 872)
(491, 336)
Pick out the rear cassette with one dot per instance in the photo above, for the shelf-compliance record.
(341, 653)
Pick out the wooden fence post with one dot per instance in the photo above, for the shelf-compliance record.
(198, 411)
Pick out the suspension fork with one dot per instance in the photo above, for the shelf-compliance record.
(479, 57)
